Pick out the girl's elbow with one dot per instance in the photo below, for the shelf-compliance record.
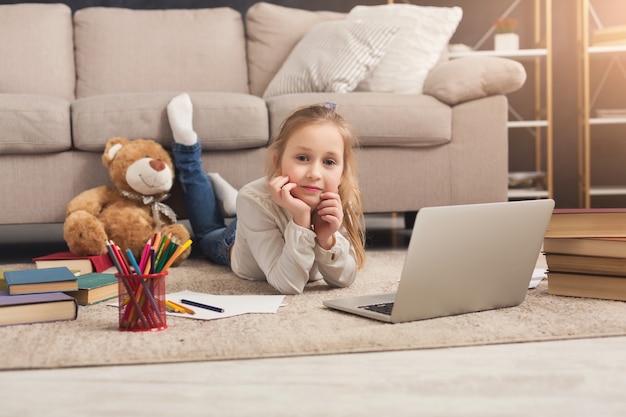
(341, 283)
(288, 288)
(292, 291)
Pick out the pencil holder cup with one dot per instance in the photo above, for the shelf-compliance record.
(142, 302)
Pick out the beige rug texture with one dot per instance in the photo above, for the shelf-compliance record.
(303, 327)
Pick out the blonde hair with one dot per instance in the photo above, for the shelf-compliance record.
(349, 192)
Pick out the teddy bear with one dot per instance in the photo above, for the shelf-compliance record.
(130, 211)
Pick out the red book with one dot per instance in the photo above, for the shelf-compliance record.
(83, 264)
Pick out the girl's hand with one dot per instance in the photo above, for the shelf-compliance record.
(280, 191)
(327, 219)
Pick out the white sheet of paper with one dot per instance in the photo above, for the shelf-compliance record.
(538, 275)
(233, 305)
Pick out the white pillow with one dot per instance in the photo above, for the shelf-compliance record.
(423, 34)
(332, 56)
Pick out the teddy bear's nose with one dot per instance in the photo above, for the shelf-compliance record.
(157, 165)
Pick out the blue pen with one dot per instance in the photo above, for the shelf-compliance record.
(205, 306)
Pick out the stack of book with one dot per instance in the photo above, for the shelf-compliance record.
(96, 274)
(53, 290)
(585, 252)
(36, 296)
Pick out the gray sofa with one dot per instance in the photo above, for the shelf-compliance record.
(69, 82)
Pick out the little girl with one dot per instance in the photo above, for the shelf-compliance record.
(301, 222)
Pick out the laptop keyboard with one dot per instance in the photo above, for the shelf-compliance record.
(382, 308)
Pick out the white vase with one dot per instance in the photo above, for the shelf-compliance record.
(506, 42)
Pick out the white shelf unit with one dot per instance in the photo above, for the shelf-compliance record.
(541, 126)
(527, 193)
(587, 100)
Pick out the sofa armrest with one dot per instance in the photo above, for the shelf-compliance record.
(470, 78)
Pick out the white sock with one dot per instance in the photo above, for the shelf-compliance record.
(180, 115)
(226, 194)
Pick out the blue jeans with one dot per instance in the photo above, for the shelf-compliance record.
(211, 233)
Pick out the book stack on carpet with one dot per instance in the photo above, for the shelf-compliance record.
(96, 274)
(585, 251)
(37, 296)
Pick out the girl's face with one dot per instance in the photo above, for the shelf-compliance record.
(313, 160)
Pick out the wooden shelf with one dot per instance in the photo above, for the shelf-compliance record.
(541, 58)
(605, 190)
(527, 193)
(607, 120)
(527, 123)
(606, 49)
(588, 96)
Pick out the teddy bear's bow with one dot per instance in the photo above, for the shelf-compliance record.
(157, 206)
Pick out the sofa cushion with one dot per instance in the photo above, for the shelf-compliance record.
(33, 124)
(272, 32)
(332, 56)
(131, 51)
(424, 33)
(37, 50)
(471, 78)
(223, 121)
(381, 119)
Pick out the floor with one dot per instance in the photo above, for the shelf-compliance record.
(575, 378)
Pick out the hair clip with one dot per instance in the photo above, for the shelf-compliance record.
(329, 105)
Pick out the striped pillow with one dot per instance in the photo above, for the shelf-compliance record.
(333, 56)
(423, 34)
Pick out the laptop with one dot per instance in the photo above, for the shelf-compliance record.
(462, 259)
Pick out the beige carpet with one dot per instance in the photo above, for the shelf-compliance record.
(303, 327)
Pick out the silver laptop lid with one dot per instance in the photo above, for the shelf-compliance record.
(469, 258)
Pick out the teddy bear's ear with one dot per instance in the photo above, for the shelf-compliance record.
(111, 149)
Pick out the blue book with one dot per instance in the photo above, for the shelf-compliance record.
(31, 281)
